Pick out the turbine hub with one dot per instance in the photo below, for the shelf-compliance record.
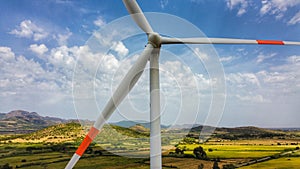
(154, 39)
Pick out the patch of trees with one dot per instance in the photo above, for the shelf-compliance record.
(189, 140)
(200, 153)
(236, 136)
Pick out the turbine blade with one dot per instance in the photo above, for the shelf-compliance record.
(138, 15)
(123, 89)
(165, 40)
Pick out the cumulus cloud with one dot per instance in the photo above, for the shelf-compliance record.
(242, 6)
(23, 75)
(120, 48)
(295, 19)
(279, 82)
(63, 57)
(28, 29)
(6, 54)
(38, 49)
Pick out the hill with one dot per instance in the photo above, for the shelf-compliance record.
(69, 132)
(248, 132)
(73, 132)
(20, 121)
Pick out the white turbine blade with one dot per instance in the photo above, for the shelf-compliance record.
(155, 131)
(165, 40)
(137, 15)
(123, 89)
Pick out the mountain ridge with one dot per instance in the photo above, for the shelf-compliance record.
(20, 122)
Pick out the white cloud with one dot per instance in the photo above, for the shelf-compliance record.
(283, 5)
(253, 98)
(6, 54)
(120, 48)
(294, 59)
(295, 19)
(277, 84)
(277, 7)
(226, 59)
(28, 29)
(163, 3)
(243, 80)
(62, 57)
(266, 7)
(177, 74)
(261, 57)
(99, 22)
(242, 5)
(62, 39)
(202, 55)
(38, 49)
(23, 75)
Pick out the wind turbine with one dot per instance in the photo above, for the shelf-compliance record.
(151, 54)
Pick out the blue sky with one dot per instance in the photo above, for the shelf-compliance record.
(41, 42)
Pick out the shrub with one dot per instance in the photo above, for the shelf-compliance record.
(229, 166)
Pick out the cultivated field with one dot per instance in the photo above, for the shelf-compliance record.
(52, 147)
(281, 163)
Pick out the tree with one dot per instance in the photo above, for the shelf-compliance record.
(216, 166)
(200, 153)
(179, 151)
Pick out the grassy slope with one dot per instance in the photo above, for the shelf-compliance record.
(59, 133)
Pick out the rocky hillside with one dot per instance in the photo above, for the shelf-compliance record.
(19, 121)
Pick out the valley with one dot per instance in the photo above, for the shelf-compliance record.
(52, 145)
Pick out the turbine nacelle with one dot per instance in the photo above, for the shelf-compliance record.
(154, 39)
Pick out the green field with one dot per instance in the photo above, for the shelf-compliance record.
(281, 163)
(17, 155)
(53, 147)
(238, 151)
